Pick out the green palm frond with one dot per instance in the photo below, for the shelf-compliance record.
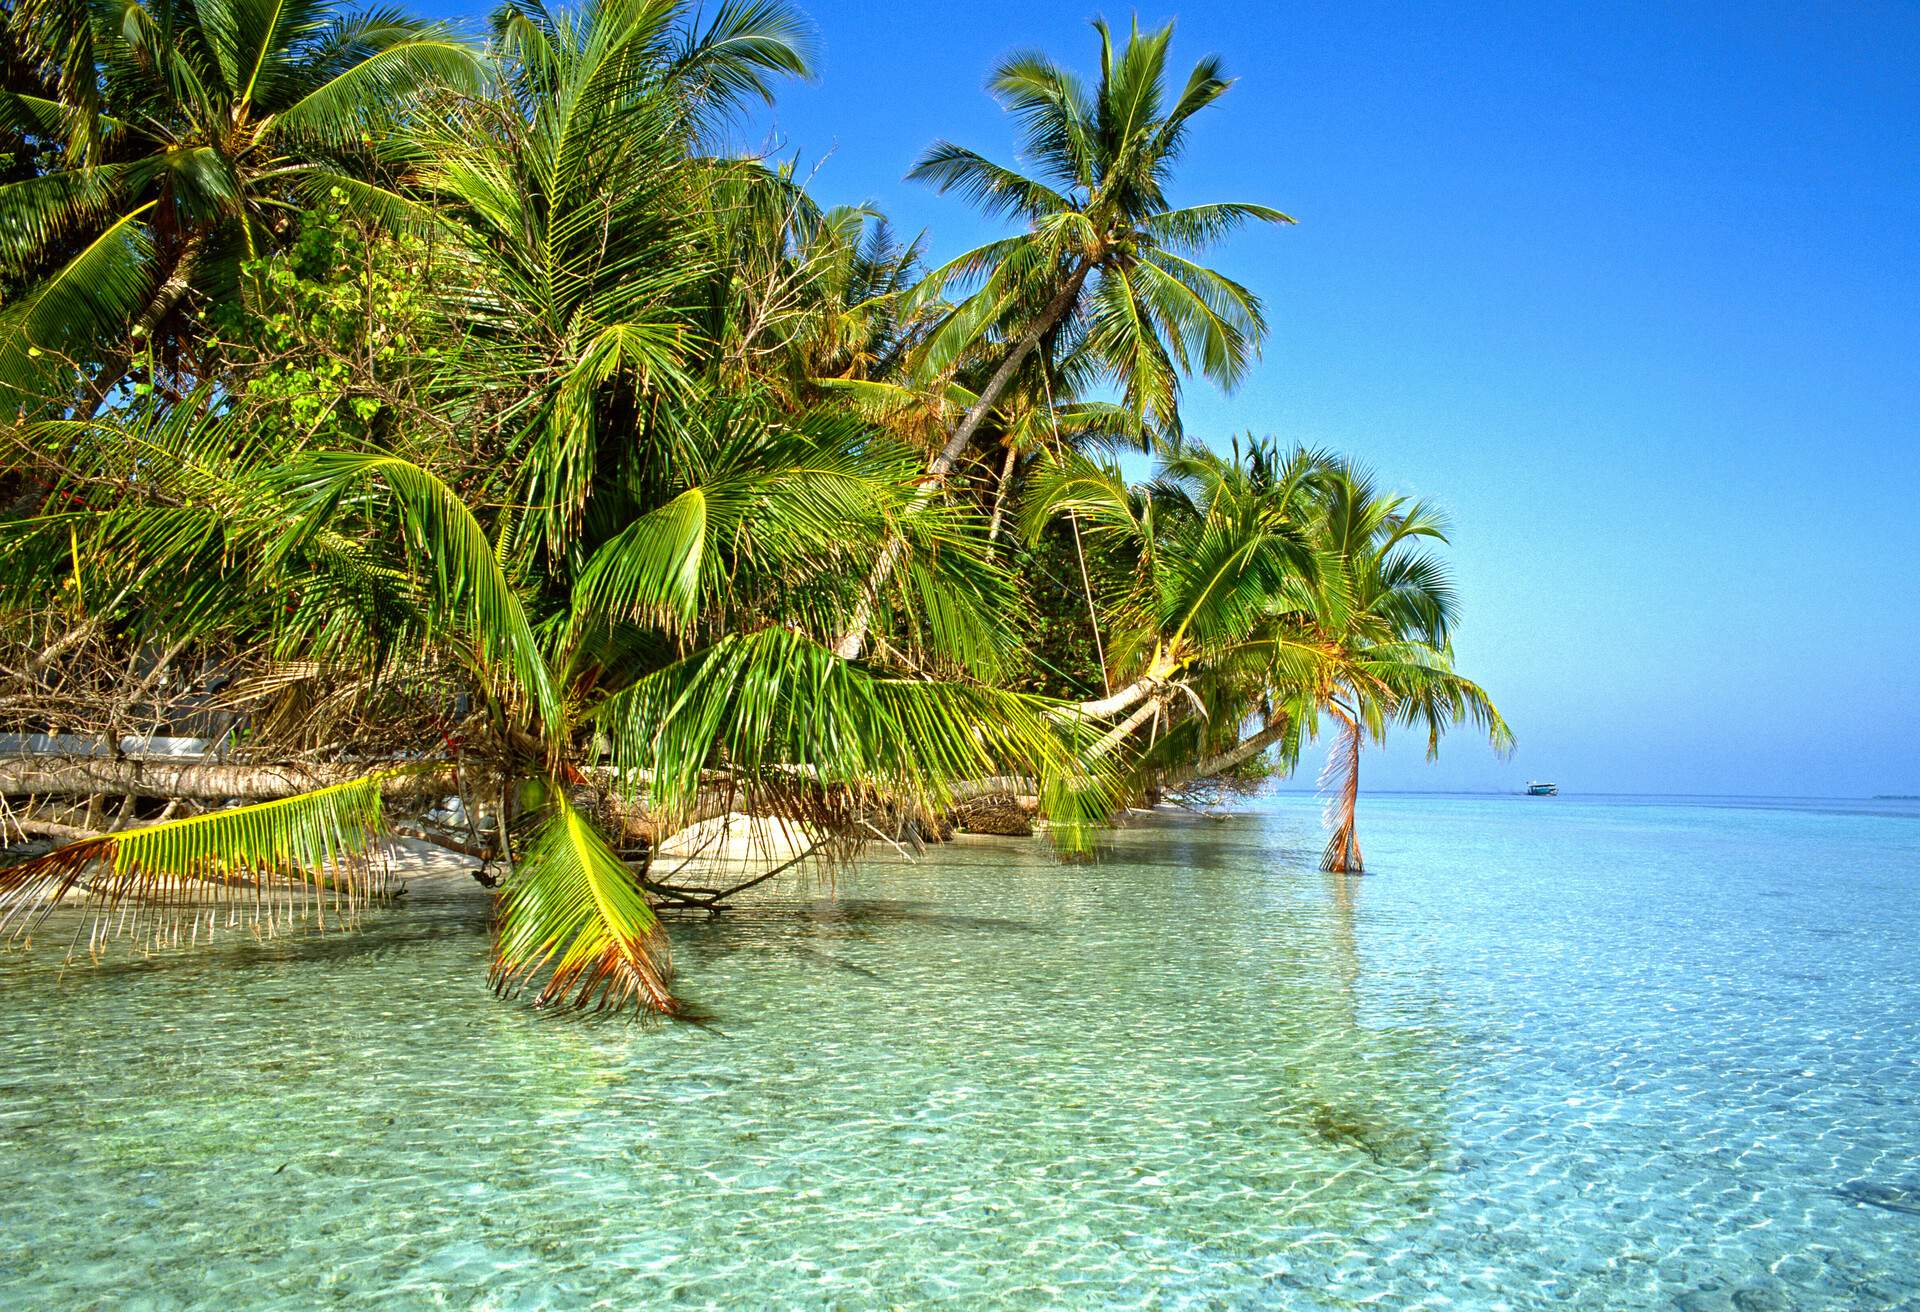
(655, 570)
(452, 555)
(996, 189)
(954, 597)
(367, 95)
(1096, 490)
(252, 865)
(1214, 319)
(184, 513)
(1055, 116)
(997, 261)
(558, 478)
(1194, 228)
(783, 712)
(36, 212)
(884, 401)
(574, 913)
(61, 32)
(753, 500)
(1131, 87)
(54, 327)
(344, 39)
(739, 53)
(1223, 582)
(1125, 332)
(382, 205)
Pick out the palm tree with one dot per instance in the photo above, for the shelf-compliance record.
(589, 240)
(1103, 247)
(1384, 618)
(633, 591)
(332, 557)
(193, 133)
(1102, 239)
(1209, 555)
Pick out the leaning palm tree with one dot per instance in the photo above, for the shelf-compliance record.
(1383, 618)
(1207, 554)
(1102, 246)
(690, 650)
(195, 131)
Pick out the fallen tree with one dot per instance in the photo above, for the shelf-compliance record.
(160, 777)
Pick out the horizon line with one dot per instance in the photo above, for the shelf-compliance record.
(1603, 792)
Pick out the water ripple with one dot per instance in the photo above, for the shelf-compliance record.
(1548, 1057)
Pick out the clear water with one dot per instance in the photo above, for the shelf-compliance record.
(1553, 1054)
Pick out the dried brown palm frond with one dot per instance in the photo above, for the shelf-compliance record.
(1342, 777)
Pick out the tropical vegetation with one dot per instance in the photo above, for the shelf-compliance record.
(398, 417)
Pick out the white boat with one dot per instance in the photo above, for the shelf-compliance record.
(1543, 790)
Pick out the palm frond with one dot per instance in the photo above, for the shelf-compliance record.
(253, 865)
(1124, 334)
(1193, 228)
(574, 913)
(998, 190)
(1096, 490)
(451, 553)
(1055, 116)
(1221, 320)
(738, 54)
(38, 211)
(52, 330)
(364, 97)
(782, 711)
(654, 569)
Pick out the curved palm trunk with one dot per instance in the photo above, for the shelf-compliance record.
(1125, 729)
(166, 298)
(1114, 703)
(1244, 750)
(854, 641)
(1343, 848)
(1003, 376)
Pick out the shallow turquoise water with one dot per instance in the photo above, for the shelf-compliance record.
(1552, 1054)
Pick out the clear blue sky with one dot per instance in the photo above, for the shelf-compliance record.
(1632, 290)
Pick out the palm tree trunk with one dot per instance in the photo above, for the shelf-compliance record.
(996, 385)
(172, 290)
(1343, 848)
(133, 776)
(1122, 731)
(1112, 704)
(1247, 748)
(1000, 493)
(854, 641)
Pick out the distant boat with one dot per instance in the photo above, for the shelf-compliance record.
(1543, 790)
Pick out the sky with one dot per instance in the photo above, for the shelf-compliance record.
(1631, 291)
